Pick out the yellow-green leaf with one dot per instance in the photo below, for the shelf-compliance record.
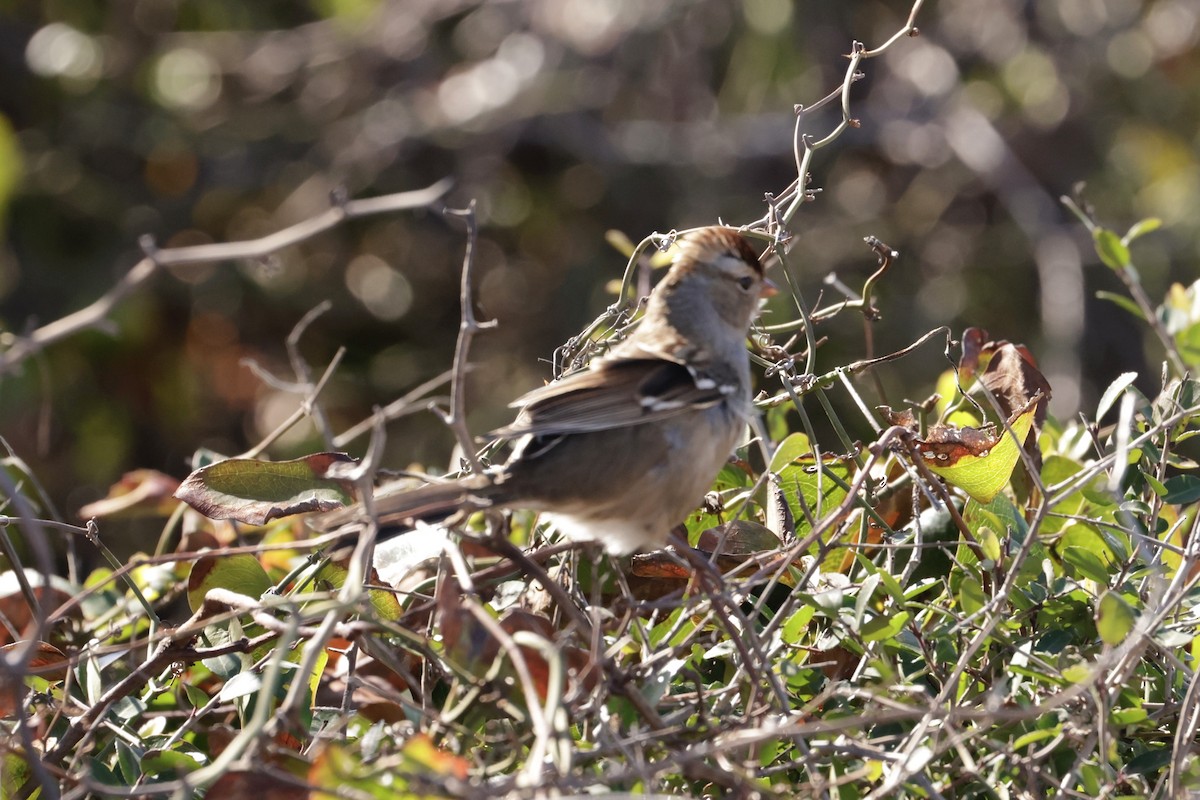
(970, 595)
(1141, 228)
(1111, 249)
(238, 572)
(333, 574)
(1114, 618)
(983, 476)
(878, 628)
(990, 543)
(1128, 716)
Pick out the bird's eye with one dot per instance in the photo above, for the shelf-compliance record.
(746, 282)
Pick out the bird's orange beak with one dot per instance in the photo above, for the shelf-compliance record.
(769, 289)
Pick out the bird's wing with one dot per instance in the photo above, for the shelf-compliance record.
(614, 393)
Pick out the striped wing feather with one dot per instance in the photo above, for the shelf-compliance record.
(614, 394)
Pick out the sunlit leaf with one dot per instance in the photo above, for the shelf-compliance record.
(797, 623)
(989, 542)
(255, 492)
(170, 762)
(1077, 673)
(794, 447)
(333, 574)
(423, 765)
(1088, 537)
(980, 465)
(1141, 228)
(240, 685)
(238, 572)
(879, 628)
(811, 491)
(1114, 391)
(1033, 737)
(1111, 249)
(1188, 341)
(1128, 716)
(1114, 618)
(14, 771)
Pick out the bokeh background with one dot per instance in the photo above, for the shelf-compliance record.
(219, 120)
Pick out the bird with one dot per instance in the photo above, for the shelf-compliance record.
(621, 451)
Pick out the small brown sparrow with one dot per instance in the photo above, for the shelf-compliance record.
(622, 451)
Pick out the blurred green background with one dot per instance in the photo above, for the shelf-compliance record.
(216, 121)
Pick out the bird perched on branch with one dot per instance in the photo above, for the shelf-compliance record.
(621, 452)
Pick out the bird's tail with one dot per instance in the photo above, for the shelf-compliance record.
(404, 507)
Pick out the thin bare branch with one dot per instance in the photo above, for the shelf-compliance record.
(22, 347)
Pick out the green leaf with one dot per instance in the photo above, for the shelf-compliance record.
(1156, 486)
(970, 595)
(1114, 391)
(878, 628)
(989, 542)
(1111, 249)
(866, 592)
(983, 476)
(11, 167)
(1114, 618)
(196, 696)
(1093, 776)
(814, 489)
(14, 771)
(1056, 469)
(1150, 762)
(1033, 737)
(169, 762)
(256, 492)
(776, 419)
(129, 762)
(1122, 301)
(1077, 673)
(793, 448)
(1128, 716)
(1086, 563)
(1001, 514)
(797, 624)
(1182, 489)
(385, 604)
(1141, 228)
(1089, 538)
(237, 572)
(1188, 340)
(890, 584)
